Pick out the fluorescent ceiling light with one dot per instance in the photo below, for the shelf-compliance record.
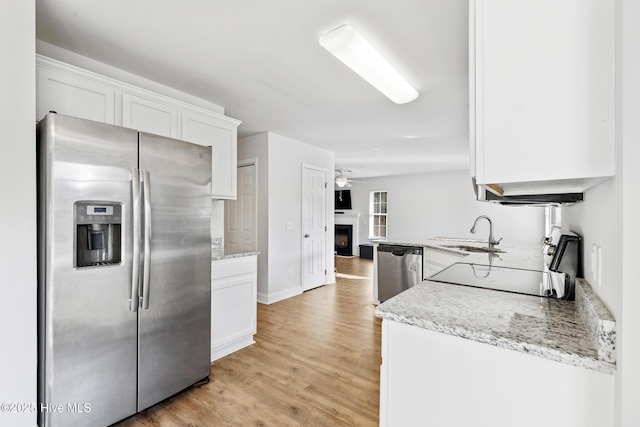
(346, 44)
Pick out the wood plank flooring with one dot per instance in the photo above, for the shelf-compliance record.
(316, 362)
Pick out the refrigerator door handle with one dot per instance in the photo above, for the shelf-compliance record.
(147, 239)
(135, 275)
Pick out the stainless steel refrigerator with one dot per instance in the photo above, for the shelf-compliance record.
(123, 270)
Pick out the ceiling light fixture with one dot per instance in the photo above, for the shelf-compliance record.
(341, 181)
(346, 44)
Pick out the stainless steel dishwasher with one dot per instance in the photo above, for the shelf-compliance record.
(399, 268)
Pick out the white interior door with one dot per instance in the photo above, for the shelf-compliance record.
(314, 230)
(240, 220)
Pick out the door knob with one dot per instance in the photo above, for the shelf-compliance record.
(307, 235)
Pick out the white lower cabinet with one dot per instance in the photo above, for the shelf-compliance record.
(429, 378)
(233, 304)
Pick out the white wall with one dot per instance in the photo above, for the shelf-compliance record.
(286, 157)
(17, 210)
(442, 204)
(599, 220)
(629, 329)
(279, 203)
(609, 218)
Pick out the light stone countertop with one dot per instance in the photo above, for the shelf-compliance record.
(514, 256)
(217, 251)
(224, 256)
(545, 327)
(580, 333)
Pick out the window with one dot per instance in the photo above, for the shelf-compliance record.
(378, 215)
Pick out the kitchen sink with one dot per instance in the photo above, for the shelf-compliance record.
(481, 249)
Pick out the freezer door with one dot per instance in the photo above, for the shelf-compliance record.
(87, 332)
(175, 317)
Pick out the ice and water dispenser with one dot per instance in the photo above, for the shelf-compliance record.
(98, 233)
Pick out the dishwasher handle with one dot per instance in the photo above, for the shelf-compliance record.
(400, 250)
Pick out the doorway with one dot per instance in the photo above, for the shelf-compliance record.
(314, 227)
(241, 219)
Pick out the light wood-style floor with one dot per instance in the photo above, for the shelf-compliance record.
(316, 362)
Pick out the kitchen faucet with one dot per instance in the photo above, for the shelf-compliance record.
(491, 241)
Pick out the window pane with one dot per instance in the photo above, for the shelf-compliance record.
(378, 214)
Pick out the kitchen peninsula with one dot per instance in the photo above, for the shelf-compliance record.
(456, 355)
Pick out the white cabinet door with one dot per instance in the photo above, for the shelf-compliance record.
(542, 93)
(234, 295)
(74, 95)
(221, 134)
(427, 377)
(149, 115)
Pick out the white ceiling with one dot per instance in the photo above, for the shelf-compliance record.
(261, 60)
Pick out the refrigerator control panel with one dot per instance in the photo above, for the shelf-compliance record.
(98, 228)
(99, 210)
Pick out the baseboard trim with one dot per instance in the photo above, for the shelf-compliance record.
(231, 347)
(278, 296)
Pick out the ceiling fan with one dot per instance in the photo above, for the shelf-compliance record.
(342, 180)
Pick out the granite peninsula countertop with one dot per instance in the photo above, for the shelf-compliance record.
(514, 256)
(579, 333)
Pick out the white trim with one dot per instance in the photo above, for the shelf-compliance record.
(220, 351)
(273, 297)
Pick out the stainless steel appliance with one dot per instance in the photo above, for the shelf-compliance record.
(556, 278)
(123, 270)
(399, 268)
(486, 194)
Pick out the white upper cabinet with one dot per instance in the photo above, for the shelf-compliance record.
(149, 115)
(542, 94)
(80, 93)
(220, 133)
(72, 94)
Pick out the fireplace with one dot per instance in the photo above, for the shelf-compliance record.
(346, 233)
(344, 239)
